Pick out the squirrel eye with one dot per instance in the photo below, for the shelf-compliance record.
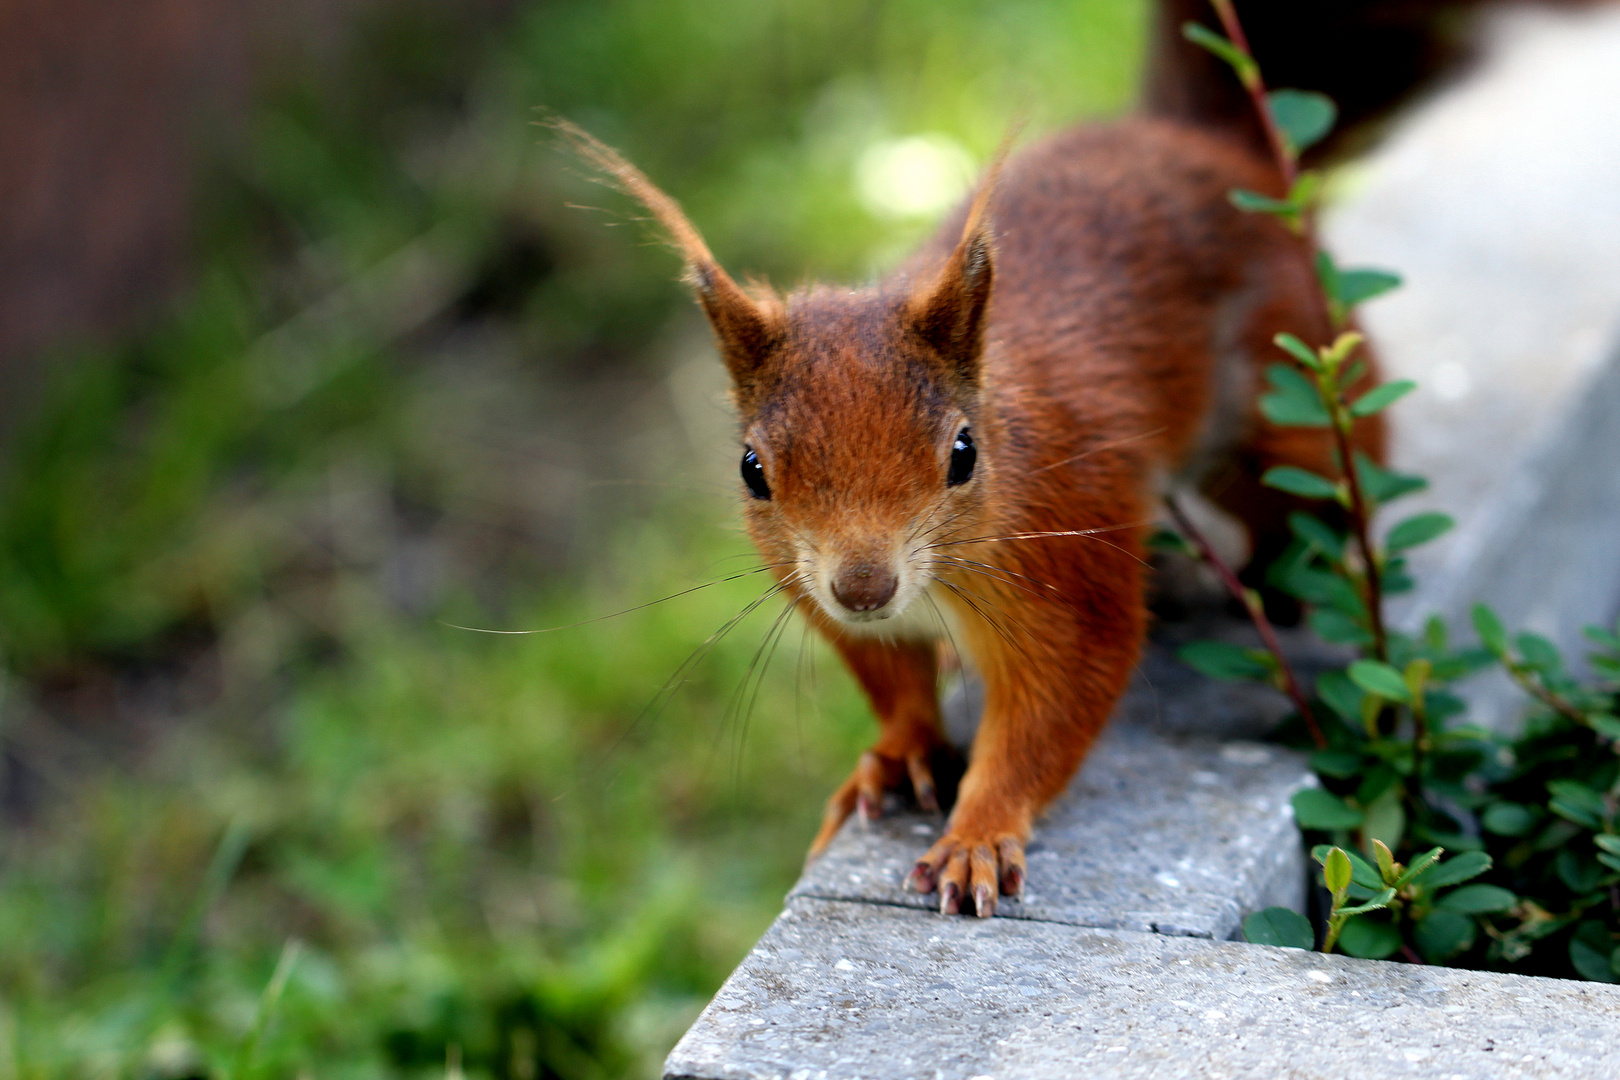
(963, 455)
(753, 474)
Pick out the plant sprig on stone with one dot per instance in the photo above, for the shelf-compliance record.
(1402, 779)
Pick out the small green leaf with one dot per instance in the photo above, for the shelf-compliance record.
(1279, 926)
(1336, 870)
(1313, 530)
(1256, 203)
(1339, 628)
(1444, 934)
(1201, 35)
(1463, 662)
(1351, 374)
(1300, 351)
(1370, 939)
(1168, 540)
(1297, 481)
(1477, 899)
(1489, 629)
(1340, 694)
(1576, 802)
(1362, 872)
(1419, 864)
(1396, 579)
(1590, 950)
(1605, 725)
(1384, 485)
(1555, 835)
(1359, 286)
(1454, 871)
(1386, 861)
(1293, 401)
(1305, 189)
(1220, 660)
(1336, 763)
(1375, 902)
(1434, 634)
(1579, 871)
(1443, 705)
(1377, 677)
(1571, 811)
(1602, 638)
(1316, 808)
(1327, 274)
(1539, 653)
(1304, 116)
(1508, 819)
(1381, 397)
(1321, 587)
(1611, 844)
(1417, 530)
(1386, 819)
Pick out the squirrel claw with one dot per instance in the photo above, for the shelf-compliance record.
(864, 809)
(922, 782)
(881, 769)
(960, 869)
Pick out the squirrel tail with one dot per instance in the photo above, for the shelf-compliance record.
(1369, 56)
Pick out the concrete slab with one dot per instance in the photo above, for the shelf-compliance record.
(839, 990)
(1158, 834)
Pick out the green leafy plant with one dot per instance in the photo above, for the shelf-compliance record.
(1533, 821)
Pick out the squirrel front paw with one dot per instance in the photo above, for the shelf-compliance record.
(909, 759)
(976, 865)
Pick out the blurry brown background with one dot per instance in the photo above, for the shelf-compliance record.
(107, 112)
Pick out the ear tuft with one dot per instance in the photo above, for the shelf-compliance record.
(950, 312)
(747, 328)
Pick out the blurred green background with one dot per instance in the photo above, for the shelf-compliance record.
(268, 810)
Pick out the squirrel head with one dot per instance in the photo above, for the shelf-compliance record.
(858, 410)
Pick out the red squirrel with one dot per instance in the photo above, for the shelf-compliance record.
(974, 446)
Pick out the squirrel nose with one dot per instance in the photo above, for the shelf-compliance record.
(864, 587)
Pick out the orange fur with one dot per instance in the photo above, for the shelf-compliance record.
(1098, 318)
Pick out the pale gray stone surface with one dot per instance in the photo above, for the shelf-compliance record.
(1497, 201)
(1174, 836)
(838, 990)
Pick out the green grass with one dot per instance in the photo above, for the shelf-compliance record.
(354, 840)
(465, 837)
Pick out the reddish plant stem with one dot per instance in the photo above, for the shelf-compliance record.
(1257, 615)
(1360, 522)
(1547, 697)
(1256, 87)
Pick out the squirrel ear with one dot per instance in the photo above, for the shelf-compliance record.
(747, 327)
(949, 314)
